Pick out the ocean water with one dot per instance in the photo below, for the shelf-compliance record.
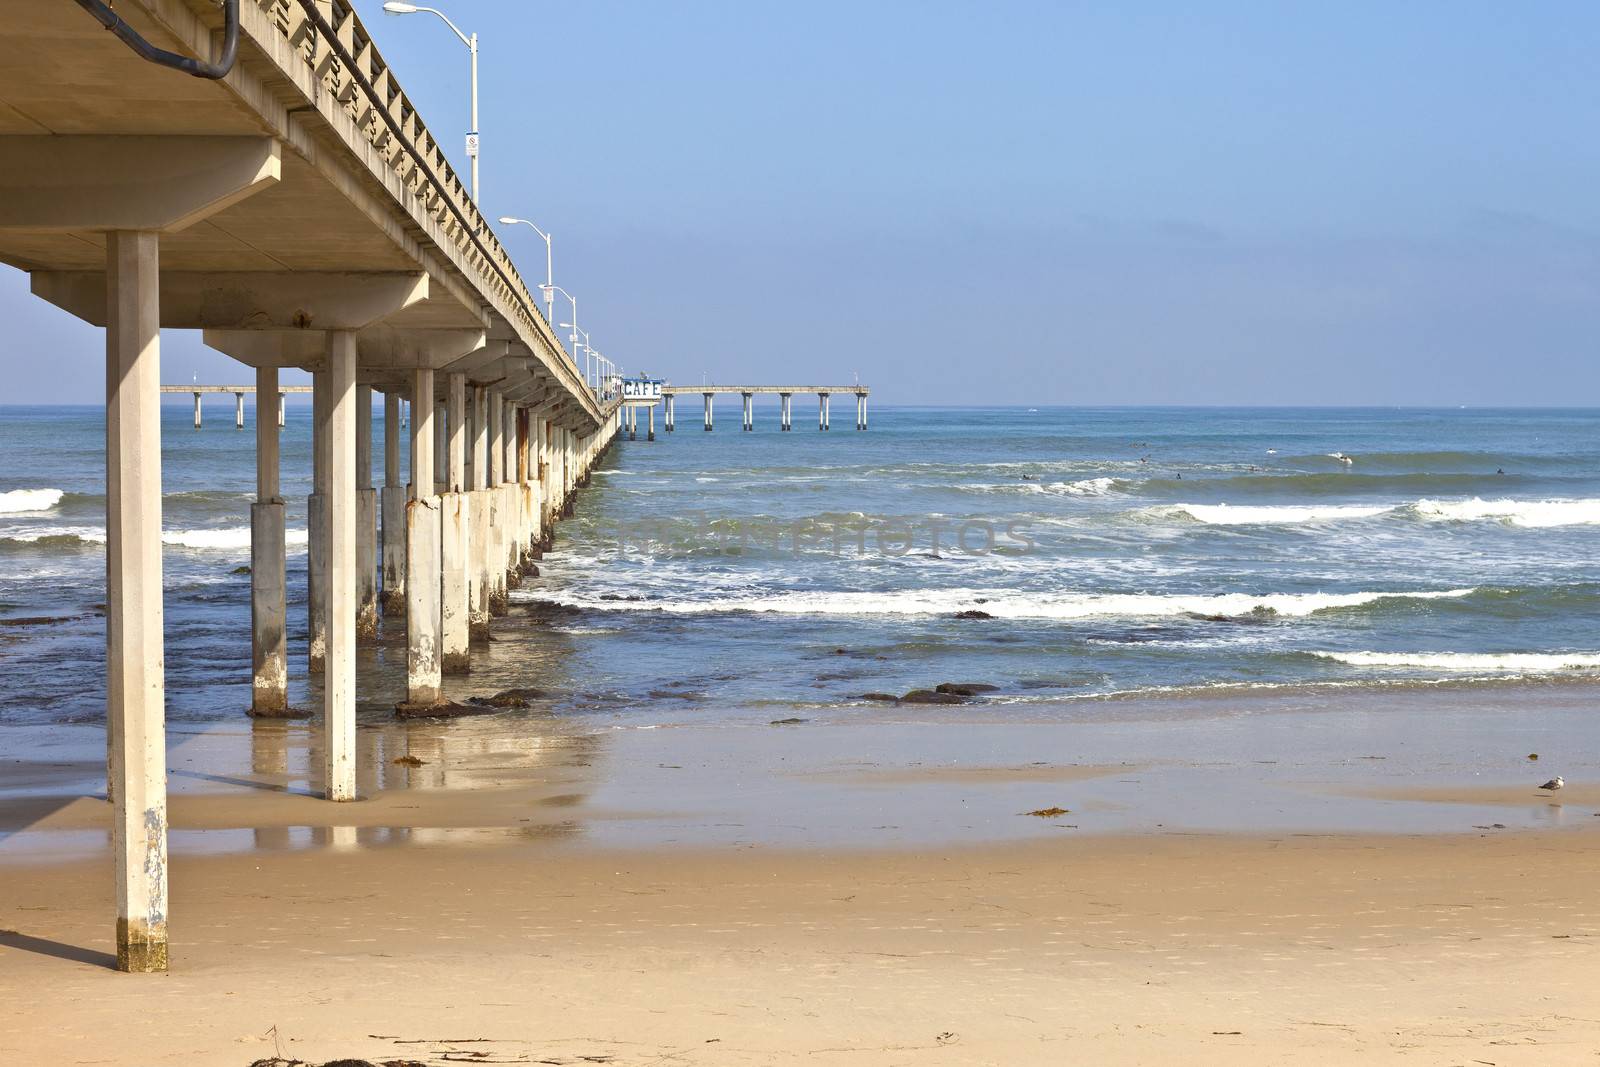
(1058, 554)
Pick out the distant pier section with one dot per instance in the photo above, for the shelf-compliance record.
(238, 392)
(647, 392)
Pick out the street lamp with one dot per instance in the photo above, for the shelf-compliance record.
(549, 274)
(395, 7)
(552, 288)
(588, 349)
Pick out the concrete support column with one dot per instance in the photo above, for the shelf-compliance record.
(317, 527)
(784, 400)
(135, 680)
(822, 411)
(366, 521)
(454, 605)
(280, 408)
(479, 517)
(652, 416)
(197, 411)
(570, 466)
(423, 559)
(494, 545)
(339, 507)
(508, 438)
(549, 466)
(238, 411)
(536, 473)
(708, 412)
(527, 469)
(749, 414)
(630, 415)
(269, 660)
(511, 547)
(667, 415)
(441, 448)
(394, 511)
(861, 411)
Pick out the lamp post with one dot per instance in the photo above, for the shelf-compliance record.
(552, 288)
(588, 350)
(549, 272)
(395, 7)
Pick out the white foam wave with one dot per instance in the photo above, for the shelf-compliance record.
(1282, 514)
(226, 539)
(1081, 487)
(1085, 487)
(1529, 513)
(1007, 604)
(1479, 662)
(18, 501)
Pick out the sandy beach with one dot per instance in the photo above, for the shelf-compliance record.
(529, 891)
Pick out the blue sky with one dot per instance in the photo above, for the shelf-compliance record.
(1026, 202)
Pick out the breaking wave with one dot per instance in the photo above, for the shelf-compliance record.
(19, 501)
(1478, 662)
(1525, 513)
(1010, 605)
(1229, 515)
(228, 539)
(1530, 513)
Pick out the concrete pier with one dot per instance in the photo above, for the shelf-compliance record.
(394, 511)
(785, 394)
(454, 605)
(366, 521)
(370, 266)
(269, 659)
(136, 684)
(423, 670)
(339, 673)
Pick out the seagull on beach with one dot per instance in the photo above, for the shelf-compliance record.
(1553, 784)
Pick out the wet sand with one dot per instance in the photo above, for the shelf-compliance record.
(1230, 882)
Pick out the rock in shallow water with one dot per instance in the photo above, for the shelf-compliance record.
(965, 689)
(932, 696)
(509, 698)
(445, 709)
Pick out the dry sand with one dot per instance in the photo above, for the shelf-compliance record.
(1141, 949)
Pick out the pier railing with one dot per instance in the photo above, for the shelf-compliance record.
(330, 39)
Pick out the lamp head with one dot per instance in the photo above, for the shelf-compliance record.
(395, 7)
(507, 220)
